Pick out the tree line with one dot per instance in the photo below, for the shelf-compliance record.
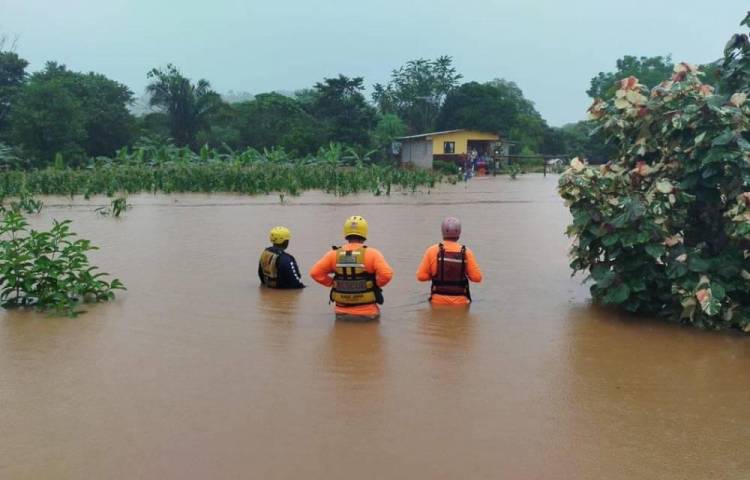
(60, 113)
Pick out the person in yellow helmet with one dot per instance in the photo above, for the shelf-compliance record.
(277, 268)
(355, 272)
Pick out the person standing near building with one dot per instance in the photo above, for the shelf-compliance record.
(356, 274)
(473, 157)
(277, 268)
(450, 266)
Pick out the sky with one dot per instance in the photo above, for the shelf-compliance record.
(550, 48)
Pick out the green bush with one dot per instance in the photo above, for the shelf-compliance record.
(666, 228)
(48, 270)
(445, 167)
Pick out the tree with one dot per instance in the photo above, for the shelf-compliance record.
(273, 119)
(388, 128)
(417, 90)
(650, 71)
(553, 141)
(47, 119)
(664, 229)
(346, 116)
(733, 69)
(582, 139)
(223, 127)
(187, 105)
(496, 106)
(77, 114)
(12, 78)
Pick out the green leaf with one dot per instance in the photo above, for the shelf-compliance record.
(620, 220)
(676, 270)
(617, 295)
(697, 264)
(711, 307)
(718, 291)
(656, 250)
(723, 139)
(610, 239)
(599, 272)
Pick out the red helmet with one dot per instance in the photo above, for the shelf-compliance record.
(451, 227)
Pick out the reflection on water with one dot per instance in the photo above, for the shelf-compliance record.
(354, 351)
(354, 363)
(196, 372)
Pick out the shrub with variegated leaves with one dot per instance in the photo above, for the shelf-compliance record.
(664, 229)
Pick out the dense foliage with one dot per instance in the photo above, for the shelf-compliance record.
(272, 119)
(417, 90)
(665, 229)
(48, 270)
(650, 71)
(12, 78)
(341, 107)
(186, 105)
(484, 106)
(85, 115)
(583, 139)
(59, 111)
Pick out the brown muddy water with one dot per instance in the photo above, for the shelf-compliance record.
(196, 372)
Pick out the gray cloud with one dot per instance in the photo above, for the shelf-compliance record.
(551, 48)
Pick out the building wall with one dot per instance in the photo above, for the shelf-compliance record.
(461, 139)
(417, 152)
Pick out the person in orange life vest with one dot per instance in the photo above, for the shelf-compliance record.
(355, 273)
(450, 266)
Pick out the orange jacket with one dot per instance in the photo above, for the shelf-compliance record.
(428, 269)
(322, 272)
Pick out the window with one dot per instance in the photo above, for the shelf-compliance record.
(449, 147)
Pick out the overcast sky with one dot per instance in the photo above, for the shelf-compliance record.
(550, 48)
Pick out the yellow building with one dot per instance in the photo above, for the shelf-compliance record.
(451, 145)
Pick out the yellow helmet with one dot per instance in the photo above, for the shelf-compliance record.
(279, 235)
(355, 225)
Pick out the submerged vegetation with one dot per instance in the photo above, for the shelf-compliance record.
(116, 207)
(48, 270)
(170, 169)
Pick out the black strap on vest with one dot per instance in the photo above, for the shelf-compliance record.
(352, 276)
(441, 281)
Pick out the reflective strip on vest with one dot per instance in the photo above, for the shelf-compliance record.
(352, 285)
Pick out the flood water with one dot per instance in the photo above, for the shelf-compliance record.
(196, 372)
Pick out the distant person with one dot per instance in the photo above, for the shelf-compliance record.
(277, 268)
(355, 272)
(450, 266)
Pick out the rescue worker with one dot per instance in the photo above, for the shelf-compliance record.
(355, 272)
(450, 266)
(276, 268)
